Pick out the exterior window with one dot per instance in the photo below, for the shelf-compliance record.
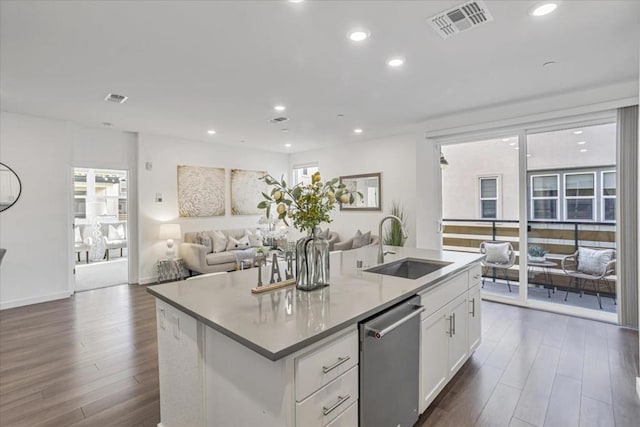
(609, 196)
(489, 197)
(580, 196)
(302, 174)
(544, 197)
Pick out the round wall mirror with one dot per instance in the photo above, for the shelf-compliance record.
(10, 187)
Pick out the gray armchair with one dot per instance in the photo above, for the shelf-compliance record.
(593, 265)
(497, 256)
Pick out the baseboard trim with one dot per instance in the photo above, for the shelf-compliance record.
(148, 280)
(34, 300)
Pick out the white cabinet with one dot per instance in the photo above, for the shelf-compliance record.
(458, 337)
(450, 332)
(475, 323)
(180, 367)
(434, 356)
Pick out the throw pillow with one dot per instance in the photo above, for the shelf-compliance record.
(497, 253)
(255, 239)
(593, 261)
(120, 231)
(204, 240)
(324, 234)
(361, 239)
(113, 233)
(219, 241)
(77, 235)
(238, 244)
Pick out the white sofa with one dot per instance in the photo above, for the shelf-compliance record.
(200, 259)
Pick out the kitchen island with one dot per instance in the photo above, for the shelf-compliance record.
(228, 357)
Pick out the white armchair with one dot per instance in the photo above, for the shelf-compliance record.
(593, 265)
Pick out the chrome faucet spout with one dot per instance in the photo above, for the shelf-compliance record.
(404, 235)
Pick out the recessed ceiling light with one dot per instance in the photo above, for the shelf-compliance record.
(284, 130)
(357, 130)
(512, 143)
(359, 35)
(505, 139)
(517, 148)
(211, 132)
(287, 145)
(395, 62)
(584, 150)
(296, 1)
(279, 108)
(577, 132)
(528, 155)
(582, 142)
(542, 9)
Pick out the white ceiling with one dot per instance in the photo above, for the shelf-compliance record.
(191, 66)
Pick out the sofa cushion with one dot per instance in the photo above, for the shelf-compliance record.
(255, 238)
(361, 239)
(116, 232)
(593, 261)
(219, 241)
(204, 239)
(220, 258)
(235, 244)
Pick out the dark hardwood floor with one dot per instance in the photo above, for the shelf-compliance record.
(91, 360)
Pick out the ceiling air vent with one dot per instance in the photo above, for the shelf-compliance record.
(279, 119)
(114, 97)
(460, 18)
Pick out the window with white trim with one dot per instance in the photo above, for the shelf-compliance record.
(488, 197)
(580, 195)
(544, 196)
(609, 196)
(302, 174)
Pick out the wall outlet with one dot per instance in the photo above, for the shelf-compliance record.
(148, 166)
(158, 197)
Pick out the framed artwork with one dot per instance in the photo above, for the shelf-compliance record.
(201, 191)
(246, 191)
(369, 185)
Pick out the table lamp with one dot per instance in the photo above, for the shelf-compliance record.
(169, 232)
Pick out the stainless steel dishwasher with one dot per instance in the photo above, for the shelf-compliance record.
(389, 357)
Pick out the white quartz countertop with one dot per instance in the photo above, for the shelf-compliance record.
(278, 323)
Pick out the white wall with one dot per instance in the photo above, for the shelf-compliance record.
(394, 157)
(165, 154)
(37, 230)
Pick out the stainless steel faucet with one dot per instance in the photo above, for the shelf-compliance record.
(405, 235)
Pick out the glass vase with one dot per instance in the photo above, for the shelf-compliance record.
(312, 262)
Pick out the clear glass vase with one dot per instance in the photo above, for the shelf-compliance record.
(312, 262)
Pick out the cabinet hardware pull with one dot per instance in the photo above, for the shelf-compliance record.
(454, 323)
(341, 400)
(473, 307)
(450, 331)
(341, 360)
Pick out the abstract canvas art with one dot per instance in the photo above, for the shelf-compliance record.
(246, 189)
(201, 191)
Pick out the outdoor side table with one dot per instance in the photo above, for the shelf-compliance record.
(544, 266)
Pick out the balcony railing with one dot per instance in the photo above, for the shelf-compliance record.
(559, 238)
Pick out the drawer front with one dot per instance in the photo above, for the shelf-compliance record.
(329, 402)
(348, 418)
(475, 275)
(434, 299)
(321, 366)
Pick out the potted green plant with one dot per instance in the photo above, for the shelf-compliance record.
(393, 234)
(536, 253)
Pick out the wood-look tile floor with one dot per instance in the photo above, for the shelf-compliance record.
(91, 360)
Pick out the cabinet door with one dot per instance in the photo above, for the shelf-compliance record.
(475, 325)
(434, 345)
(458, 341)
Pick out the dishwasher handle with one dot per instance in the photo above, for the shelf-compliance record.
(381, 333)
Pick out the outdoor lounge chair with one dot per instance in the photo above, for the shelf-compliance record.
(590, 265)
(497, 256)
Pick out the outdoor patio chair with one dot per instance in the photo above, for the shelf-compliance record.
(497, 256)
(590, 265)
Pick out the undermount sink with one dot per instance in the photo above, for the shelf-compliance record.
(409, 268)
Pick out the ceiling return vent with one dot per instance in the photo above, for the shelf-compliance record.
(114, 97)
(460, 18)
(279, 119)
